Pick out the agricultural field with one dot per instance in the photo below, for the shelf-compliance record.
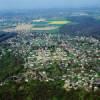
(59, 22)
(48, 24)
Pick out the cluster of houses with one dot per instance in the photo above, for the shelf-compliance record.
(77, 59)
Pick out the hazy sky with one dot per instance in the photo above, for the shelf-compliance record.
(30, 4)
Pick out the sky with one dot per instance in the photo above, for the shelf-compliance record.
(37, 4)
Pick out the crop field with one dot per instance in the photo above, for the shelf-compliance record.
(59, 22)
(48, 24)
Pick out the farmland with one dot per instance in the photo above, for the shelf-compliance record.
(48, 24)
(59, 22)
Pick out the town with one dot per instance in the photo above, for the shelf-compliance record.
(36, 50)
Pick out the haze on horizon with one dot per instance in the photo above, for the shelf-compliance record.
(39, 4)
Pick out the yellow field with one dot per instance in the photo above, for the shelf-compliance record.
(59, 22)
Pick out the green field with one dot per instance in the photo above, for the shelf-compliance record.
(49, 24)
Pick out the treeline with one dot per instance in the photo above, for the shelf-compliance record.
(36, 90)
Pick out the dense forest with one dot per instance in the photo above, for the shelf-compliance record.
(36, 90)
(10, 64)
(6, 35)
(82, 26)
